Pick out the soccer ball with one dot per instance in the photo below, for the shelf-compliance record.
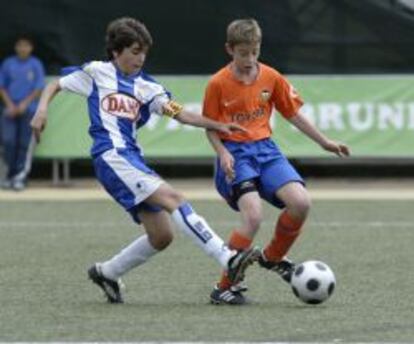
(313, 282)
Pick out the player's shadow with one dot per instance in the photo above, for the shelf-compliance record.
(191, 304)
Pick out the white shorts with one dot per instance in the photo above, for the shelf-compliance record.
(125, 176)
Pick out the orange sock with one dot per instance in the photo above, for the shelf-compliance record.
(237, 242)
(286, 232)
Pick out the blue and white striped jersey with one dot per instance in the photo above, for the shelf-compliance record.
(118, 104)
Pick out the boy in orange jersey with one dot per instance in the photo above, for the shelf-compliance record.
(249, 165)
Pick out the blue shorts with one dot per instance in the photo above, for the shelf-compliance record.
(125, 176)
(261, 161)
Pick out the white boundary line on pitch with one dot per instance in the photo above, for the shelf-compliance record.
(335, 341)
(338, 341)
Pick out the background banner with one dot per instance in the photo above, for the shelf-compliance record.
(373, 114)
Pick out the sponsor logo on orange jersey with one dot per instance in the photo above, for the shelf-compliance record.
(121, 105)
(265, 95)
(246, 117)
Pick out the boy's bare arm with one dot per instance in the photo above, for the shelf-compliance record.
(177, 112)
(39, 120)
(310, 130)
(215, 142)
(226, 159)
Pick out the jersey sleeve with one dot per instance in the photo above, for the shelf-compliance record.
(157, 103)
(77, 80)
(211, 103)
(152, 94)
(285, 98)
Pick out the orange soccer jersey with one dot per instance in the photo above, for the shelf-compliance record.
(230, 100)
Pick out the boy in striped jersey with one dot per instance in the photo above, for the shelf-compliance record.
(121, 99)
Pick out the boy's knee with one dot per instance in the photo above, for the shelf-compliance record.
(161, 240)
(300, 206)
(167, 197)
(174, 199)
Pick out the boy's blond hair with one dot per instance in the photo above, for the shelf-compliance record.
(243, 31)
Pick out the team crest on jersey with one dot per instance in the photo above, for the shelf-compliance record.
(265, 95)
(121, 105)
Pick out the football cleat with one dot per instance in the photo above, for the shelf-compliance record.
(240, 261)
(111, 288)
(240, 287)
(227, 297)
(284, 268)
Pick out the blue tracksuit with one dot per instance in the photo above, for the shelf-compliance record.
(19, 78)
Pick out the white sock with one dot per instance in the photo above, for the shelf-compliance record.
(198, 229)
(130, 257)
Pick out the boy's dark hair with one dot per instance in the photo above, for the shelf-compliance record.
(24, 37)
(123, 32)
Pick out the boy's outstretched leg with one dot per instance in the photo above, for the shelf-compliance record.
(107, 274)
(196, 227)
(233, 261)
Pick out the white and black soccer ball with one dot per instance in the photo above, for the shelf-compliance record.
(313, 282)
